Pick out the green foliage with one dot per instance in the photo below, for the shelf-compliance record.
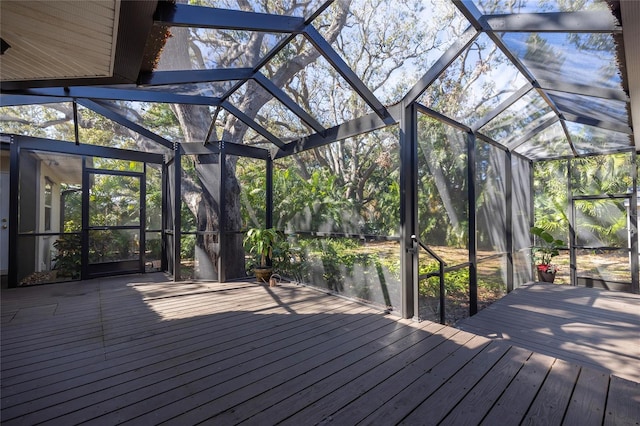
(68, 258)
(548, 246)
(456, 283)
(442, 184)
(188, 247)
(288, 261)
(597, 175)
(252, 177)
(261, 242)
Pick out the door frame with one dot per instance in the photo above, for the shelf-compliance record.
(93, 270)
(632, 246)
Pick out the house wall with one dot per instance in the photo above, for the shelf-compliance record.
(46, 250)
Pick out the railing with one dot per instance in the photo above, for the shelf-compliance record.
(441, 270)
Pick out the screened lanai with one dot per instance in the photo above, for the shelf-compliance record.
(404, 149)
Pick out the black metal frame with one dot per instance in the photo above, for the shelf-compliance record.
(403, 114)
(19, 143)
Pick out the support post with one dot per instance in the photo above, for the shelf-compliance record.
(14, 175)
(408, 213)
(571, 214)
(222, 214)
(633, 226)
(473, 249)
(508, 184)
(143, 219)
(84, 238)
(164, 264)
(177, 202)
(269, 194)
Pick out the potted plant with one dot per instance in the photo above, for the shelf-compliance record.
(543, 254)
(261, 242)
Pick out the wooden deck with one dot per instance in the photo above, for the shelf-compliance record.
(142, 351)
(596, 328)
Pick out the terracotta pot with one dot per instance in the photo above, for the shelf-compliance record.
(546, 277)
(263, 274)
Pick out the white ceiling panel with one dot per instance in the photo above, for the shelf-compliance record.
(58, 39)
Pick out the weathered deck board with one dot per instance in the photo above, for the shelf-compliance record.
(591, 327)
(138, 350)
(589, 398)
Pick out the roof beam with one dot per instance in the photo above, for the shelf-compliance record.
(347, 73)
(120, 119)
(575, 22)
(549, 120)
(180, 15)
(608, 125)
(197, 148)
(35, 143)
(471, 12)
(351, 128)
(582, 89)
(279, 94)
(441, 117)
(503, 106)
(17, 100)
(120, 95)
(161, 78)
(251, 123)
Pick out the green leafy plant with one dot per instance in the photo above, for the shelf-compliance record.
(261, 243)
(548, 249)
(68, 259)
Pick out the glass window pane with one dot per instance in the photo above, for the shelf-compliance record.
(610, 266)
(317, 87)
(48, 259)
(269, 112)
(521, 202)
(491, 205)
(51, 121)
(159, 118)
(551, 198)
(533, 6)
(366, 270)
(492, 280)
(602, 174)
(95, 129)
(601, 223)
(113, 245)
(549, 143)
(63, 173)
(443, 208)
(153, 253)
(517, 120)
(114, 164)
(475, 83)
(349, 187)
(252, 175)
(204, 48)
(591, 140)
(456, 284)
(608, 110)
(114, 200)
(154, 197)
(581, 58)
(391, 44)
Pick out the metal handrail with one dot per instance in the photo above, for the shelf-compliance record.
(441, 269)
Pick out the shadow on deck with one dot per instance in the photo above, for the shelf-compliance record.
(141, 351)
